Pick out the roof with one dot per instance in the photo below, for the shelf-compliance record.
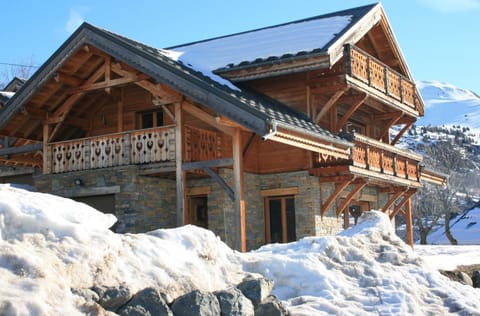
(14, 84)
(298, 39)
(257, 113)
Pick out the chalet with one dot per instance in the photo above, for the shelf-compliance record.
(263, 136)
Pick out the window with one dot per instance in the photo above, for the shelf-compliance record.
(150, 119)
(280, 219)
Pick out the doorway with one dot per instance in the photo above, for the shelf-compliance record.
(198, 211)
(280, 219)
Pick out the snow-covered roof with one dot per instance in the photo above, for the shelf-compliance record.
(5, 96)
(295, 39)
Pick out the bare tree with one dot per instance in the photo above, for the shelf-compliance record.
(434, 202)
(22, 69)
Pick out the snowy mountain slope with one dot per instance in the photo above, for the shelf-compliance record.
(448, 105)
(50, 248)
(464, 227)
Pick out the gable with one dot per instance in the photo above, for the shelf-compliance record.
(93, 60)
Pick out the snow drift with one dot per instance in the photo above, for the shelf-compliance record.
(50, 245)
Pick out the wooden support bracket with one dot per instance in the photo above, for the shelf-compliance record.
(221, 182)
(339, 189)
(358, 187)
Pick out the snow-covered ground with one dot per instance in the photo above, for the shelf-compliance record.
(50, 245)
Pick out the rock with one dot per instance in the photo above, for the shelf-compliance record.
(146, 302)
(465, 278)
(89, 295)
(256, 290)
(271, 306)
(234, 303)
(476, 279)
(112, 297)
(196, 303)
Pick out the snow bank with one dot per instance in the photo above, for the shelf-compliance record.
(23, 212)
(363, 271)
(51, 245)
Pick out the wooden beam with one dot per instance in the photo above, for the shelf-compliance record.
(409, 222)
(335, 179)
(339, 189)
(221, 182)
(392, 200)
(180, 181)
(168, 112)
(226, 162)
(108, 72)
(331, 102)
(46, 156)
(387, 126)
(358, 187)
(407, 195)
(400, 134)
(207, 118)
(66, 79)
(120, 106)
(240, 222)
(21, 149)
(106, 84)
(163, 93)
(349, 113)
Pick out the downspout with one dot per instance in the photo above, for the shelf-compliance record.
(272, 130)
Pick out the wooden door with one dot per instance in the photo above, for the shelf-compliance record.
(280, 219)
(198, 211)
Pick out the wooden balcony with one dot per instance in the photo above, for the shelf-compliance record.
(365, 70)
(373, 159)
(113, 150)
(141, 147)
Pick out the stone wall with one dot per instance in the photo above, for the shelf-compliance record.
(221, 215)
(145, 203)
(142, 203)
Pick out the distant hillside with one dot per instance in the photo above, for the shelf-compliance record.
(447, 105)
(452, 115)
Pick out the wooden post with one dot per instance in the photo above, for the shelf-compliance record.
(409, 222)
(120, 111)
(240, 233)
(46, 157)
(178, 166)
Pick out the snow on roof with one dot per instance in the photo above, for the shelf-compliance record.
(50, 247)
(7, 94)
(289, 39)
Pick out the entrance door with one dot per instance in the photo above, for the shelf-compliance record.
(198, 211)
(280, 219)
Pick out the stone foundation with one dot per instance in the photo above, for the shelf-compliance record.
(144, 203)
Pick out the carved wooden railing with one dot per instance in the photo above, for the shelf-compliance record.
(376, 156)
(376, 74)
(201, 144)
(134, 147)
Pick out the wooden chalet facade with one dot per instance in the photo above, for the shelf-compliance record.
(259, 150)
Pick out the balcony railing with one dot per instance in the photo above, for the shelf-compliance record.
(376, 156)
(379, 76)
(112, 150)
(132, 148)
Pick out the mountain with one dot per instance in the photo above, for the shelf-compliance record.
(447, 105)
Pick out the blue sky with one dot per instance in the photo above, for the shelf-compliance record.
(440, 39)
